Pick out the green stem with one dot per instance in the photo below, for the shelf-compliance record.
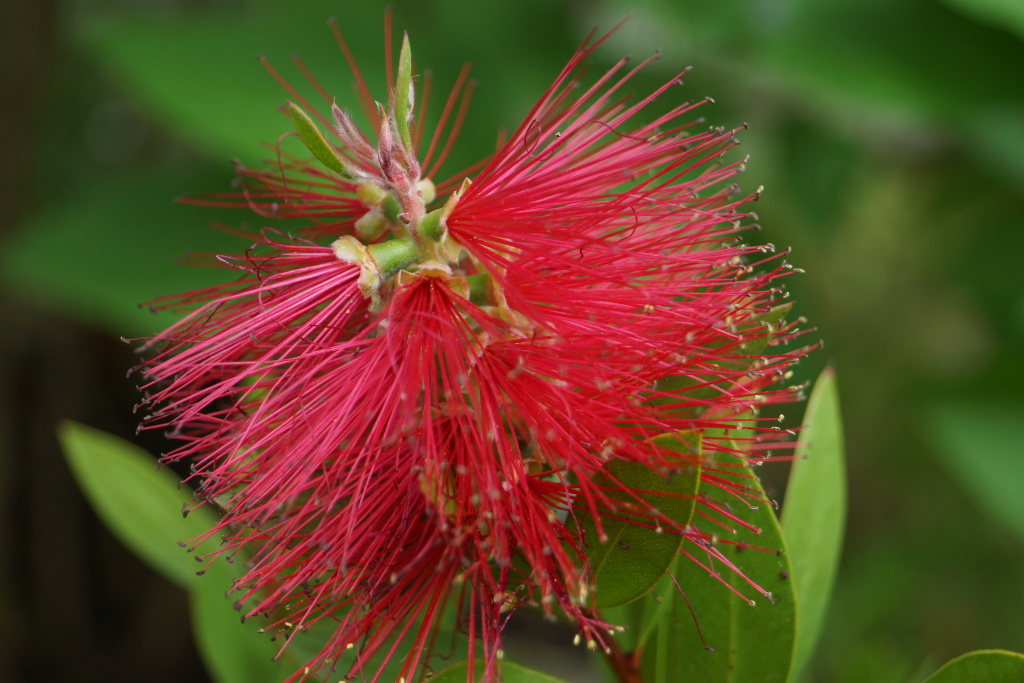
(429, 226)
(480, 289)
(393, 255)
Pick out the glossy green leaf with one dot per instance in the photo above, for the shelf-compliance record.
(233, 651)
(750, 642)
(814, 512)
(510, 673)
(982, 666)
(980, 443)
(635, 553)
(643, 618)
(139, 504)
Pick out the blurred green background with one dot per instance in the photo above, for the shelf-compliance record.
(889, 137)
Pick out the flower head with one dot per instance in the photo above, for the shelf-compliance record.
(412, 408)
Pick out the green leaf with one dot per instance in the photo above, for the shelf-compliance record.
(315, 142)
(891, 62)
(636, 553)
(139, 504)
(239, 653)
(1008, 14)
(750, 642)
(142, 507)
(643, 618)
(758, 331)
(404, 93)
(997, 137)
(814, 512)
(510, 673)
(214, 94)
(99, 253)
(754, 345)
(234, 652)
(982, 666)
(310, 640)
(980, 443)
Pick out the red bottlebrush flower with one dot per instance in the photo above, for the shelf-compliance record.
(404, 413)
